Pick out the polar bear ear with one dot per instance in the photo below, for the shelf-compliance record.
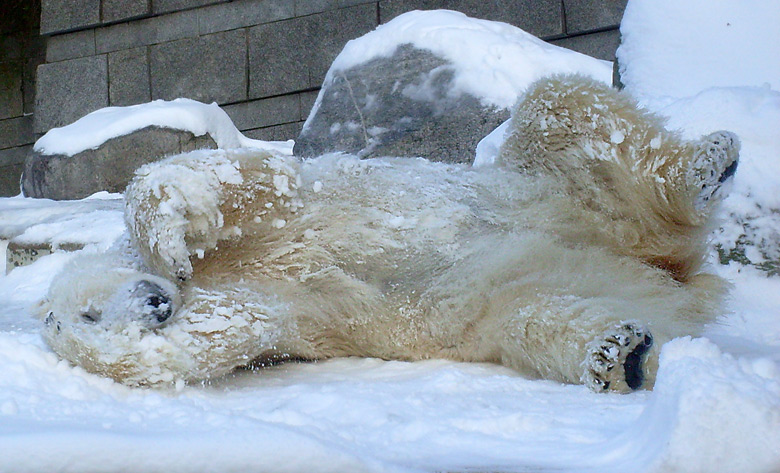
(41, 309)
(713, 166)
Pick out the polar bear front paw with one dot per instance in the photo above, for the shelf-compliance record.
(615, 361)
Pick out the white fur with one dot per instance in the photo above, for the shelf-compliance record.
(525, 263)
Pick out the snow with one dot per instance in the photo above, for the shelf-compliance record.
(39, 221)
(715, 407)
(94, 129)
(672, 48)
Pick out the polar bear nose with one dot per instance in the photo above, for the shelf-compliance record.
(161, 304)
(157, 306)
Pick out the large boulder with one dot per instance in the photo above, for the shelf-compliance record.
(102, 150)
(398, 106)
(106, 168)
(430, 84)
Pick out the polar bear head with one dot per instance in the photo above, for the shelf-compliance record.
(102, 314)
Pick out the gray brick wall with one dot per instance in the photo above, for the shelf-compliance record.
(21, 51)
(262, 60)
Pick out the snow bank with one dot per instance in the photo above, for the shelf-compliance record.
(94, 129)
(673, 48)
(96, 220)
(494, 61)
(712, 411)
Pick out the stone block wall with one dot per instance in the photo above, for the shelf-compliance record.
(21, 51)
(263, 61)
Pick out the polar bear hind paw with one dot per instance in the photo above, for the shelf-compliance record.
(615, 361)
(713, 165)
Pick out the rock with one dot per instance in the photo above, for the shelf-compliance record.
(106, 168)
(430, 84)
(401, 105)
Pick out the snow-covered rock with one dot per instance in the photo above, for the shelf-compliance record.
(100, 151)
(430, 84)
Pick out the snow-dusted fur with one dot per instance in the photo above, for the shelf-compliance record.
(573, 259)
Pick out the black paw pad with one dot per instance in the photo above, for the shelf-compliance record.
(730, 170)
(633, 364)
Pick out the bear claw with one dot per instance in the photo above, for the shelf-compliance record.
(615, 361)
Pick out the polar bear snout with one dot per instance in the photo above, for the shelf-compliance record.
(155, 304)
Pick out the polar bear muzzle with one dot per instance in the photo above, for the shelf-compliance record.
(156, 305)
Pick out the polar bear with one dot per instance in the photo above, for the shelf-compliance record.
(573, 258)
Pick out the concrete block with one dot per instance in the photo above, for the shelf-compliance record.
(284, 132)
(9, 179)
(310, 7)
(542, 18)
(148, 31)
(240, 14)
(600, 45)
(29, 80)
(34, 45)
(278, 57)
(11, 166)
(209, 68)
(13, 156)
(118, 10)
(70, 46)
(166, 6)
(587, 15)
(350, 3)
(68, 90)
(66, 15)
(11, 96)
(16, 131)
(294, 55)
(265, 112)
(10, 47)
(331, 31)
(128, 73)
(21, 45)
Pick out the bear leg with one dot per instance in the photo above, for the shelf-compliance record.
(185, 205)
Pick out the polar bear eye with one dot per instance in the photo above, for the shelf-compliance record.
(91, 316)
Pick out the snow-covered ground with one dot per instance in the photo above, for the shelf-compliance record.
(715, 408)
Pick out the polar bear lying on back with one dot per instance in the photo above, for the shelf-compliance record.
(573, 258)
